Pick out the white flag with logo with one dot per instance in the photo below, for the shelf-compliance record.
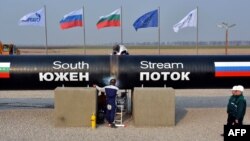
(34, 18)
(188, 21)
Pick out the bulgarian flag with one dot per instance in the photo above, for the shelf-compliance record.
(4, 70)
(112, 19)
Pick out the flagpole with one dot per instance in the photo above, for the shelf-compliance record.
(46, 38)
(159, 33)
(84, 38)
(197, 32)
(121, 27)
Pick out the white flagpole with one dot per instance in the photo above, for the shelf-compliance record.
(197, 32)
(159, 33)
(121, 27)
(84, 38)
(46, 38)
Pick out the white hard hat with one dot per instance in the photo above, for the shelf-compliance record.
(240, 88)
(234, 88)
(122, 49)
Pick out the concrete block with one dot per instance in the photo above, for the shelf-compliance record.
(74, 106)
(154, 107)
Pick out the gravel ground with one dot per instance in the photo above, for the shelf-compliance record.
(200, 115)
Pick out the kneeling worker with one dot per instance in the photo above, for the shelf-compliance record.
(120, 50)
(111, 92)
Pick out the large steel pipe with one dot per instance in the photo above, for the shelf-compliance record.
(51, 71)
(184, 71)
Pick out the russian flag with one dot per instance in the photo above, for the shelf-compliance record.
(72, 19)
(232, 69)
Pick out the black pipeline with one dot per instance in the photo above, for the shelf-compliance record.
(51, 71)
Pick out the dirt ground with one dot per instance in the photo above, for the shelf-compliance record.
(200, 116)
(106, 51)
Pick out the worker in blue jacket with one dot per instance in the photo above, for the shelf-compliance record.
(111, 92)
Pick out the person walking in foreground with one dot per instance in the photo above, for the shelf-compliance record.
(236, 107)
(111, 92)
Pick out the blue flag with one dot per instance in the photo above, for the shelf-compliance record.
(149, 19)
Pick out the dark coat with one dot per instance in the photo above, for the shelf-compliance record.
(237, 106)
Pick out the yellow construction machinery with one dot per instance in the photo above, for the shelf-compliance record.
(8, 49)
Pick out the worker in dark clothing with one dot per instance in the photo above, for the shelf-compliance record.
(111, 92)
(236, 107)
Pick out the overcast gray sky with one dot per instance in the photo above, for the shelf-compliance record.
(211, 12)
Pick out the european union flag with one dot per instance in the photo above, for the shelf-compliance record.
(149, 19)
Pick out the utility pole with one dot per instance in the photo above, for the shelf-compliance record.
(226, 27)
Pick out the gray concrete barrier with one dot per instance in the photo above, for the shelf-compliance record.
(74, 106)
(154, 107)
